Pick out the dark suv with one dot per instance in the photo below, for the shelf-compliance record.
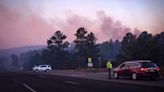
(137, 69)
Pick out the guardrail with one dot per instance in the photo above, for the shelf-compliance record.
(92, 70)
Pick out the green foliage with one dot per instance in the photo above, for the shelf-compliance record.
(145, 47)
(159, 38)
(30, 59)
(56, 54)
(35, 60)
(109, 50)
(128, 46)
(86, 47)
(56, 42)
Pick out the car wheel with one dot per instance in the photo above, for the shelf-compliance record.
(116, 75)
(36, 70)
(134, 76)
(47, 70)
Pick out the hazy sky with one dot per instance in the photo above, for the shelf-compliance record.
(32, 22)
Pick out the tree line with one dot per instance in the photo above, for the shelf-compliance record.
(63, 55)
(146, 46)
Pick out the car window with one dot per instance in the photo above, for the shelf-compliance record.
(43, 66)
(134, 64)
(123, 65)
(127, 65)
(148, 64)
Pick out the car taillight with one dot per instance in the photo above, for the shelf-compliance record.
(144, 69)
(158, 69)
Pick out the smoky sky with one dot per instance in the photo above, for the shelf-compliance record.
(22, 26)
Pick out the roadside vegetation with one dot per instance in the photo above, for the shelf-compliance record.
(61, 54)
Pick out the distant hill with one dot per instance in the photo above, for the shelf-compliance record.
(19, 50)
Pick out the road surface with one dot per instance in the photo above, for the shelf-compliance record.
(38, 82)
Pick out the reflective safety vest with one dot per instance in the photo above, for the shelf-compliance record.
(109, 65)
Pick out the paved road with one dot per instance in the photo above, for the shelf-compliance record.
(29, 82)
(104, 76)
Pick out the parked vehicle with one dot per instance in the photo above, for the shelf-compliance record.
(45, 68)
(137, 69)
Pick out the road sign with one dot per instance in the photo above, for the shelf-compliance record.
(90, 64)
(89, 60)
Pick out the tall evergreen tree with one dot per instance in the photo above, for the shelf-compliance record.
(80, 47)
(92, 48)
(127, 51)
(161, 46)
(159, 39)
(85, 47)
(57, 47)
(56, 42)
(147, 47)
(110, 49)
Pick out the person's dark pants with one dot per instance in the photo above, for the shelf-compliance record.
(109, 73)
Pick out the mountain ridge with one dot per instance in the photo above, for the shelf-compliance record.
(19, 50)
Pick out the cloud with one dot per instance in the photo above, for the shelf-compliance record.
(23, 26)
(104, 27)
(18, 29)
(73, 22)
(113, 29)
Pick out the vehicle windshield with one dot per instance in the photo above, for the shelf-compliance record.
(146, 65)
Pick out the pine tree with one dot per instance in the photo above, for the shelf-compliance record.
(85, 47)
(58, 53)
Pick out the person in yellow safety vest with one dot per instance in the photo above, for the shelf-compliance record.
(109, 67)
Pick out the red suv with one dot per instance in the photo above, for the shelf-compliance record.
(137, 69)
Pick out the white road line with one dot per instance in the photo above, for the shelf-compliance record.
(28, 87)
(70, 82)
